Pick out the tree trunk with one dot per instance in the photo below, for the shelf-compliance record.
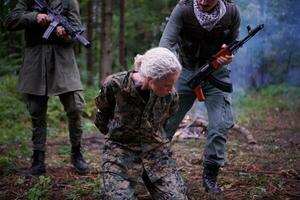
(11, 36)
(106, 40)
(122, 56)
(90, 30)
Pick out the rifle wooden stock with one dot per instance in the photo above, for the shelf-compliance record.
(223, 52)
(199, 93)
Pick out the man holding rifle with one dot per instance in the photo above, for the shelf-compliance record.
(196, 30)
(49, 69)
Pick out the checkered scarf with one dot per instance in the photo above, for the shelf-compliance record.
(209, 20)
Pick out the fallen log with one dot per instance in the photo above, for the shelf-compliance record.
(197, 128)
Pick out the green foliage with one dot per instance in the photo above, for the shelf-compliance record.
(40, 189)
(7, 166)
(254, 105)
(84, 187)
(64, 149)
(89, 94)
(14, 120)
(256, 180)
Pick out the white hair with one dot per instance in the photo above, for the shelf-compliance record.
(157, 63)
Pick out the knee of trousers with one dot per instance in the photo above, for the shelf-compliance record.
(73, 103)
(37, 111)
(75, 121)
(38, 117)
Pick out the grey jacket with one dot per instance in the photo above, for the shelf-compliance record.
(49, 67)
(193, 44)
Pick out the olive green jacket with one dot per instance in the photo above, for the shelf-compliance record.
(126, 118)
(49, 67)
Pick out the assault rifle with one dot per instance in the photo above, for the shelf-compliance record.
(57, 18)
(200, 76)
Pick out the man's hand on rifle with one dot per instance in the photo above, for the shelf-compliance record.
(42, 19)
(61, 32)
(225, 60)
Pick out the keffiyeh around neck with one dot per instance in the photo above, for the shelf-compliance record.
(209, 20)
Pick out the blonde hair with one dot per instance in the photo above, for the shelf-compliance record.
(157, 63)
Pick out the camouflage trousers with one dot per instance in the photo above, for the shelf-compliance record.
(73, 104)
(123, 167)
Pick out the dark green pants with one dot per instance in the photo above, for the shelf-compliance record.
(220, 117)
(73, 103)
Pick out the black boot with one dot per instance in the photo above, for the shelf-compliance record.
(210, 174)
(78, 161)
(38, 163)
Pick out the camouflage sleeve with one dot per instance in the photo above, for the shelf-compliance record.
(20, 17)
(105, 103)
(174, 104)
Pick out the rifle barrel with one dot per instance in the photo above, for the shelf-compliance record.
(236, 45)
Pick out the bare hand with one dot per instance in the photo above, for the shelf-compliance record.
(42, 19)
(225, 60)
(61, 32)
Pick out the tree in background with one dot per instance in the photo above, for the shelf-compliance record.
(122, 48)
(272, 57)
(106, 40)
(90, 30)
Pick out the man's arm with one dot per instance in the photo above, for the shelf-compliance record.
(20, 17)
(235, 27)
(233, 36)
(172, 30)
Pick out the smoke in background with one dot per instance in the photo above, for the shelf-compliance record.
(273, 55)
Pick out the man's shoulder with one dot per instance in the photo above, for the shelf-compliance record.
(185, 2)
(229, 3)
(230, 6)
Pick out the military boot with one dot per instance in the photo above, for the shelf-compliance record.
(38, 163)
(210, 174)
(78, 162)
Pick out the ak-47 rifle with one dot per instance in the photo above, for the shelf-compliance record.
(57, 18)
(200, 76)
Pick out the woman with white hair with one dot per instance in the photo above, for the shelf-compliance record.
(133, 107)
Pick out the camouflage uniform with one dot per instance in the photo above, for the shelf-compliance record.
(136, 144)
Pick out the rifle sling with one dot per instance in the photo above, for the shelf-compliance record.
(222, 85)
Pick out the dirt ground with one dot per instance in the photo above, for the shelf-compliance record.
(267, 170)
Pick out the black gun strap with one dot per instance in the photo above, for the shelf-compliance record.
(222, 85)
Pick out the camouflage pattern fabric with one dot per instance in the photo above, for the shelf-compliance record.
(122, 168)
(136, 144)
(127, 118)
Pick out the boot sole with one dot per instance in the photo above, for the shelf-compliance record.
(81, 172)
(28, 173)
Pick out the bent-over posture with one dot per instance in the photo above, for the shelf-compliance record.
(133, 107)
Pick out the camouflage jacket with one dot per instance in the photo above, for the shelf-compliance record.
(126, 118)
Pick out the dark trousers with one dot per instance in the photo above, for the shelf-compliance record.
(73, 103)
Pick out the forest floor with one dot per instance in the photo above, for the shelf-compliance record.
(269, 169)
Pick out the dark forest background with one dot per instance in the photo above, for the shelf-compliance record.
(120, 29)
